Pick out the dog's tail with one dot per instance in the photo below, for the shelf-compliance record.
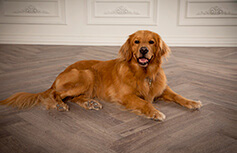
(23, 100)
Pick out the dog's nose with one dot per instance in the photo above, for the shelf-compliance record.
(143, 50)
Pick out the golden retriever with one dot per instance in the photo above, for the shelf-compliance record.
(133, 80)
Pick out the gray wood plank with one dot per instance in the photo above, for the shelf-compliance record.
(206, 74)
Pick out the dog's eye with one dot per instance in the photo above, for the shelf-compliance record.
(151, 42)
(137, 41)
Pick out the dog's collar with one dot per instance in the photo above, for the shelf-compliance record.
(149, 81)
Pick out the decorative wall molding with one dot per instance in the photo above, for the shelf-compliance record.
(208, 12)
(32, 11)
(114, 12)
(122, 10)
(95, 40)
(216, 11)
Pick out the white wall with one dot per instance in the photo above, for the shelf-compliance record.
(109, 22)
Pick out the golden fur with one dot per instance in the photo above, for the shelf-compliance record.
(133, 80)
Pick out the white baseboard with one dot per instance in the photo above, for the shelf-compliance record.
(195, 41)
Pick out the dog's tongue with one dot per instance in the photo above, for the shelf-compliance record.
(143, 60)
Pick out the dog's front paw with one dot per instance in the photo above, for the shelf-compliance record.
(62, 107)
(193, 104)
(157, 116)
(92, 104)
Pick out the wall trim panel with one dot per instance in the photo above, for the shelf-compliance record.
(114, 12)
(208, 12)
(32, 12)
(114, 40)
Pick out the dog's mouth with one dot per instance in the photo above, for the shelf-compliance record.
(143, 61)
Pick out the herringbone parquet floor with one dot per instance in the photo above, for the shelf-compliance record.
(206, 74)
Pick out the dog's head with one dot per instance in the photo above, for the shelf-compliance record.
(144, 47)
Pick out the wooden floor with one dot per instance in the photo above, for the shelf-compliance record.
(206, 74)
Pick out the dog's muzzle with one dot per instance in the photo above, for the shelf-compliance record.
(144, 50)
(143, 60)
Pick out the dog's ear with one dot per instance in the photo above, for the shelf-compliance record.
(125, 51)
(163, 49)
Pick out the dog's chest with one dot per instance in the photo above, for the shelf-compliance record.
(149, 88)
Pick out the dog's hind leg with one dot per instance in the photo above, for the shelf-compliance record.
(78, 84)
(54, 101)
(60, 105)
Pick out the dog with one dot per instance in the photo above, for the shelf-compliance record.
(133, 80)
